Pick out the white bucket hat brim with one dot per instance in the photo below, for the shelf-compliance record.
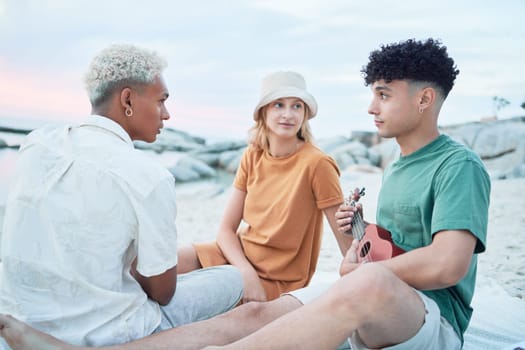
(285, 84)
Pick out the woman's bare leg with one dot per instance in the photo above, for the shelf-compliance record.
(187, 260)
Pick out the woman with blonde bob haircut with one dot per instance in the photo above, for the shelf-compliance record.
(272, 226)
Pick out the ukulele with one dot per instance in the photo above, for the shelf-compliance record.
(375, 243)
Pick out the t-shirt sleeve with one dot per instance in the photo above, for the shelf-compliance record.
(325, 183)
(462, 200)
(157, 233)
(241, 177)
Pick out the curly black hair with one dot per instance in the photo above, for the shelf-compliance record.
(421, 61)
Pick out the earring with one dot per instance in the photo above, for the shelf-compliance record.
(128, 112)
(420, 110)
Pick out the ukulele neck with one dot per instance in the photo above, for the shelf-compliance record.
(358, 226)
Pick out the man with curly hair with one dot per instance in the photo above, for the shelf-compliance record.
(89, 247)
(434, 202)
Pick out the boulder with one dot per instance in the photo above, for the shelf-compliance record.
(183, 174)
(387, 151)
(223, 146)
(172, 140)
(212, 159)
(233, 164)
(332, 143)
(499, 143)
(200, 167)
(230, 160)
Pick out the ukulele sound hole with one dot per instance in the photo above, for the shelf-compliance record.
(364, 249)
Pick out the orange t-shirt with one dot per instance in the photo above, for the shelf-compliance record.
(283, 211)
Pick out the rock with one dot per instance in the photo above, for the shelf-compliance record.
(355, 148)
(218, 154)
(172, 140)
(374, 157)
(499, 143)
(201, 168)
(353, 152)
(233, 165)
(183, 174)
(2, 211)
(491, 139)
(14, 130)
(518, 171)
(157, 148)
(368, 138)
(212, 159)
(219, 147)
(230, 160)
(343, 160)
(387, 151)
(330, 144)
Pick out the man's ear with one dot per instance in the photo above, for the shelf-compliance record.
(125, 97)
(426, 98)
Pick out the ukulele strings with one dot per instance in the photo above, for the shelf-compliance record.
(358, 231)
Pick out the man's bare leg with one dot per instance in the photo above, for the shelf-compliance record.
(20, 336)
(220, 330)
(372, 300)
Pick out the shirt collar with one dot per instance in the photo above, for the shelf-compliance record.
(109, 125)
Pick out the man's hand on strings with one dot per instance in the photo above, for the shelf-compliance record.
(345, 215)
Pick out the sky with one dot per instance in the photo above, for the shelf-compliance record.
(219, 50)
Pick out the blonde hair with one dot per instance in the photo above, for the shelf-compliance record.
(259, 132)
(119, 66)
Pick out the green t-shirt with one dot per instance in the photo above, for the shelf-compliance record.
(442, 186)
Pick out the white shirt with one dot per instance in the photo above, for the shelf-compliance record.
(83, 205)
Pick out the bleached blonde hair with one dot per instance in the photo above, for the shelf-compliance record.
(119, 66)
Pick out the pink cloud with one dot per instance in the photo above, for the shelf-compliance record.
(41, 94)
(60, 96)
(208, 120)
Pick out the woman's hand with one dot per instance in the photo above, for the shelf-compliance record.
(253, 288)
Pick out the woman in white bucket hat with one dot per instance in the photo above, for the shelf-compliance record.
(283, 186)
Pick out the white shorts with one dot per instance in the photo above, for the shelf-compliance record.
(435, 334)
(202, 294)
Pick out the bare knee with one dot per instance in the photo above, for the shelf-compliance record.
(187, 260)
(368, 288)
(254, 315)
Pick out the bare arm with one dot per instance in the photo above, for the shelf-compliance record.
(160, 288)
(439, 265)
(230, 245)
(343, 240)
